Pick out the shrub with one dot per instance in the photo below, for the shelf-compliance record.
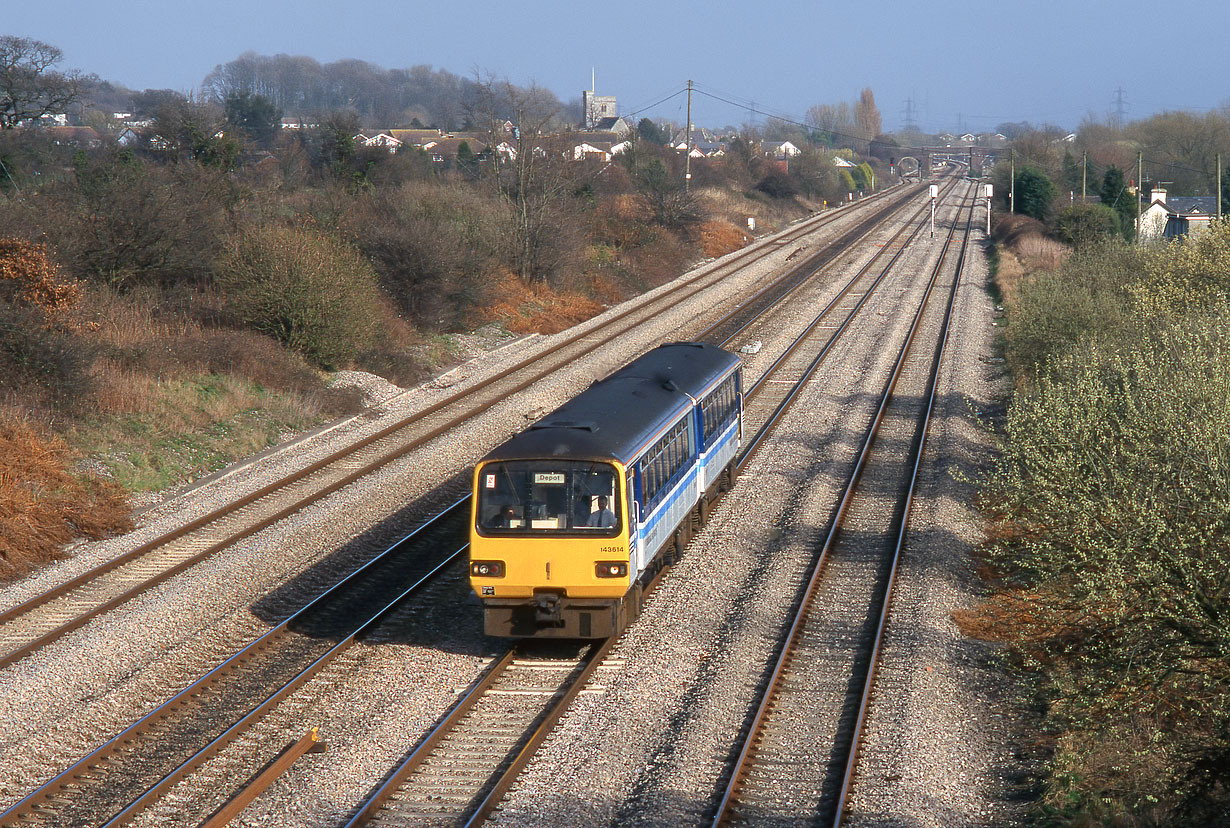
(429, 256)
(29, 277)
(42, 505)
(128, 224)
(1083, 224)
(1087, 299)
(38, 357)
(1113, 494)
(717, 238)
(777, 184)
(306, 290)
(41, 362)
(1110, 510)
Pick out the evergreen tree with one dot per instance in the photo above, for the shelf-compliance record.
(651, 132)
(1035, 192)
(1071, 173)
(1116, 195)
(467, 161)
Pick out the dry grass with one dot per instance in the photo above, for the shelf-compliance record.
(1023, 249)
(43, 505)
(536, 308)
(1041, 253)
(717, 238)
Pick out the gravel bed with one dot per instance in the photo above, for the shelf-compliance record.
(687, 671)
(81, 690)
(944, 718)
(938, 749)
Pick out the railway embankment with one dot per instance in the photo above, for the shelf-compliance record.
(1107, 510)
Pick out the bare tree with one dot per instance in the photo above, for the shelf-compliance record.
(532, 174)
(29, 87)
(834, 119)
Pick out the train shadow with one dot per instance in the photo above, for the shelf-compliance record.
(447, 616)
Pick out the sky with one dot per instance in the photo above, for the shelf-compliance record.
(960, 66)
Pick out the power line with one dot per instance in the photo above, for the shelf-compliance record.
(633, 113)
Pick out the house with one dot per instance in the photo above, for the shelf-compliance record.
(617, 125)
(1174, 216)
(586, 150)
(377, 139)
(128, 137)
(506, 151)
(840, 162)
(444, 150)
(81, 136)
(700, 135)
(416, 137)
(780, 150)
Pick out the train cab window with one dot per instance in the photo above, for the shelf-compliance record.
(532, 497)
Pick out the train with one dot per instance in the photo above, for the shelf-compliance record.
(572, 517)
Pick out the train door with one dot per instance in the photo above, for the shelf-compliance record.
(634, 522)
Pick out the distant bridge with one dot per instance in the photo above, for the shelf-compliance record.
(975, 157)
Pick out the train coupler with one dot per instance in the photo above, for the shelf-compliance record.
(548, 610)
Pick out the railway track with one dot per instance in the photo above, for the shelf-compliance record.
(796, 764)
(459, 773)
(181, 734)
(40, 620)
(54, 802)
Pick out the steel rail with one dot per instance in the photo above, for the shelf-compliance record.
(206, 753)
(755, 442)
(676, 293)
(785, 652)
(498, 786)
(464, 706)
(30, 805)
(918, 451)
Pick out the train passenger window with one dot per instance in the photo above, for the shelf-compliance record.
(536, 496)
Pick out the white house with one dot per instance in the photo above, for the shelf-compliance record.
(1173, 216)
(779, 149)
(585, 150)
(506, 151)
(379, 139)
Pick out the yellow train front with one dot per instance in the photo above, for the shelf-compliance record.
(572, 516)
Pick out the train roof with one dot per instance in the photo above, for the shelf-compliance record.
(617, 416)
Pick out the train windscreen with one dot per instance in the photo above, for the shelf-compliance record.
(543, 496)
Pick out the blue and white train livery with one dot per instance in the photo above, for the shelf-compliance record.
(574, 515)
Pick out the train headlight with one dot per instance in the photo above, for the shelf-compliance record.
(611, 569)
(487, 569)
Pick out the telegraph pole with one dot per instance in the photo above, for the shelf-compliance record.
(1084, 175)
(687, 161)
(1217, 188)
(1140, 166)
(1011, 181)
